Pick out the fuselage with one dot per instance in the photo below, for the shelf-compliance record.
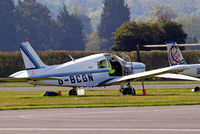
(83, 72)
(194, 71)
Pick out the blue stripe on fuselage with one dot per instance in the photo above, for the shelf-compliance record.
(73, 73)
(70, 73)
(138, 67)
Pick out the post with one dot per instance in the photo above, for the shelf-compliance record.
(143, 90)
(138, 53)
(59, 93)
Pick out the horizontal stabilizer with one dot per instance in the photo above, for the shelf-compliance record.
(179, 45)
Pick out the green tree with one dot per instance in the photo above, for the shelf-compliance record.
(72, 31)
(7, 26)
(114, 14)
(145, 33)
(34, 22)
(172, 30)
(131, 34)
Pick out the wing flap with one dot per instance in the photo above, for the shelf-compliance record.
(177, 76)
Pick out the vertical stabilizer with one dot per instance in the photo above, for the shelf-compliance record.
(31, 59)
(174, 54)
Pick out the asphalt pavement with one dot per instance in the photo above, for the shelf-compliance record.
(123, 120)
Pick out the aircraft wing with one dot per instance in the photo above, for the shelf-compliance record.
(177, 76)
(26, 79)
(147, 74)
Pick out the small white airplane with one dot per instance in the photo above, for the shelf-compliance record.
(175, 58)
(95, 70)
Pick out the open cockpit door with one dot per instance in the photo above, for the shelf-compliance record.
(113, 63)
(117, 66)
(127, 67)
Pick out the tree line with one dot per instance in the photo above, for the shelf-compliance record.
(116, 32)
(131, 34)
(30, 19)
(12, 62)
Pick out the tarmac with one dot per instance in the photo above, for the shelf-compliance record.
(122, 120)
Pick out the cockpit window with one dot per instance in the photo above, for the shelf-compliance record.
(106, 64)
(102, 64)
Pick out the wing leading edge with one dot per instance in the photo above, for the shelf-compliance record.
(151, 73)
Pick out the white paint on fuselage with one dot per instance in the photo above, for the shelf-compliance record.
(83, 72)
(83, 80)
(194, 70)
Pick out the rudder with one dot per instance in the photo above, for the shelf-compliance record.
(174, 54)
(30, 57)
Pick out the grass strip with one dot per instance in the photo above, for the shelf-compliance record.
(24, 84)
(98, 98)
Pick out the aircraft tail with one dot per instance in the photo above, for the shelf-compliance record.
(174, 54)
(30, 57)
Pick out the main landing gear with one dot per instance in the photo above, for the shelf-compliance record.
(129, 90)
(73, 91)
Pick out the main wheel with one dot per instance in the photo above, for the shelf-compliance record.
(196, 89)
(125, 91)
(132, 91)
(129, 91)
(72, 92)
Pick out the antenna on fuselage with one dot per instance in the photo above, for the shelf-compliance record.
(71, 57)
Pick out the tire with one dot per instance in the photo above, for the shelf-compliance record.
(72, 92)
(129, 91)
(125, 91)
(133, 92)
(196, 89)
